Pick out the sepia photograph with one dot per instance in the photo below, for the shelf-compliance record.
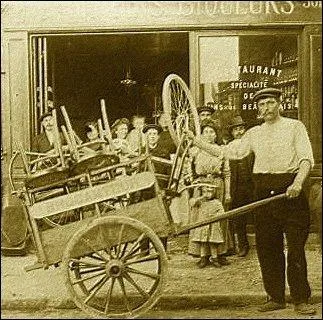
(161, 159)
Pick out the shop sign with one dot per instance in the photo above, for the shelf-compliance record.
(211, 8)
(302, 10)
(112, 14)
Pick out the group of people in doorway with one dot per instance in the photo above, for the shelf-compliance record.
(272, 158)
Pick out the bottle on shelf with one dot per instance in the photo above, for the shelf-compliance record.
(293, 96)
(296, 98)
(280, 58)
(273, 62)
(289, 102)
(282, 97)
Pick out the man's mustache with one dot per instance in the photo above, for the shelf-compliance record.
(262, 114)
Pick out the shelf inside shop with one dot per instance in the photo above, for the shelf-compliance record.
(285, 63)
(293, 113)
(289, 62)
(284, 82)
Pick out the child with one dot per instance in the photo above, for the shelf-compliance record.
(136, 137)
(207, 241)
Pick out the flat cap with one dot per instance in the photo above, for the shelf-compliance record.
(205, 108)
(209, 123)
(44, 115)
(266, 93)
(152, 126)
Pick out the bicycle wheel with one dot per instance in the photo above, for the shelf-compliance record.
(179, 107)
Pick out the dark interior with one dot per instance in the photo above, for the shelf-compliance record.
(83, 69)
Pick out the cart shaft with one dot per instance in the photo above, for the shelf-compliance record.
(229, 214)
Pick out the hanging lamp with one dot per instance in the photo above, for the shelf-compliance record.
(128, 81)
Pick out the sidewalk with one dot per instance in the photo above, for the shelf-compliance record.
(187, 286)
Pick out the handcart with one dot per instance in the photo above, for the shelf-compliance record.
(106, 271)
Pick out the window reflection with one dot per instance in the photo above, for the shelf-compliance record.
(233, 68)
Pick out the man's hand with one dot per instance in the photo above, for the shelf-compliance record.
(227, 199)
(293, 190)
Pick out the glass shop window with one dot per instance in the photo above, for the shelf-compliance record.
(233, 68)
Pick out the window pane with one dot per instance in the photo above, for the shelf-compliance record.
(233, 68)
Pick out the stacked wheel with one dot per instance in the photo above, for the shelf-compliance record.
(107, 272)
(179, 108)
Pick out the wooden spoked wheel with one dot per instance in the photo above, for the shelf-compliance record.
(179, 107)
(64, 218)
(22, 184)
(178, 163)
(106, 272)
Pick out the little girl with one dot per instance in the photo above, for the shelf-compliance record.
(208, 240)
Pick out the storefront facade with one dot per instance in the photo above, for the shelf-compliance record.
(224, 50)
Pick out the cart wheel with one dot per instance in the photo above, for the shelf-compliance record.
(64, 218)
(16, 184)
(106, 272)
(179, 107)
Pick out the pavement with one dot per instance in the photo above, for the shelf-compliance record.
(187, 287)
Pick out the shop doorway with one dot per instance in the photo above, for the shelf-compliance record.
(125, 69)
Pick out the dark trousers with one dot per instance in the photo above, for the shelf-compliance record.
(241, 197)
(240, 228)
(289, 217)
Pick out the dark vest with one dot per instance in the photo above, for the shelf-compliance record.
(241, 174)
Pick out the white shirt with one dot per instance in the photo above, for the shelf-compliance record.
(278, 147)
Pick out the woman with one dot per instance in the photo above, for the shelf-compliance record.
(121, 146)
(119, 130)
(216, 169)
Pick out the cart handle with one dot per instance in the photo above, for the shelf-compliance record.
(229, 214)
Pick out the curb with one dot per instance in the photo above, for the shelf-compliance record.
(200, 301)
(165, 302)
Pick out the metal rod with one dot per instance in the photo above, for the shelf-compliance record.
(53, 77)
(34, 85)
(45, 74)
(230, 213)
(40, 77)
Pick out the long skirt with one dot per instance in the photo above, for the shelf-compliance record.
(217, 232)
